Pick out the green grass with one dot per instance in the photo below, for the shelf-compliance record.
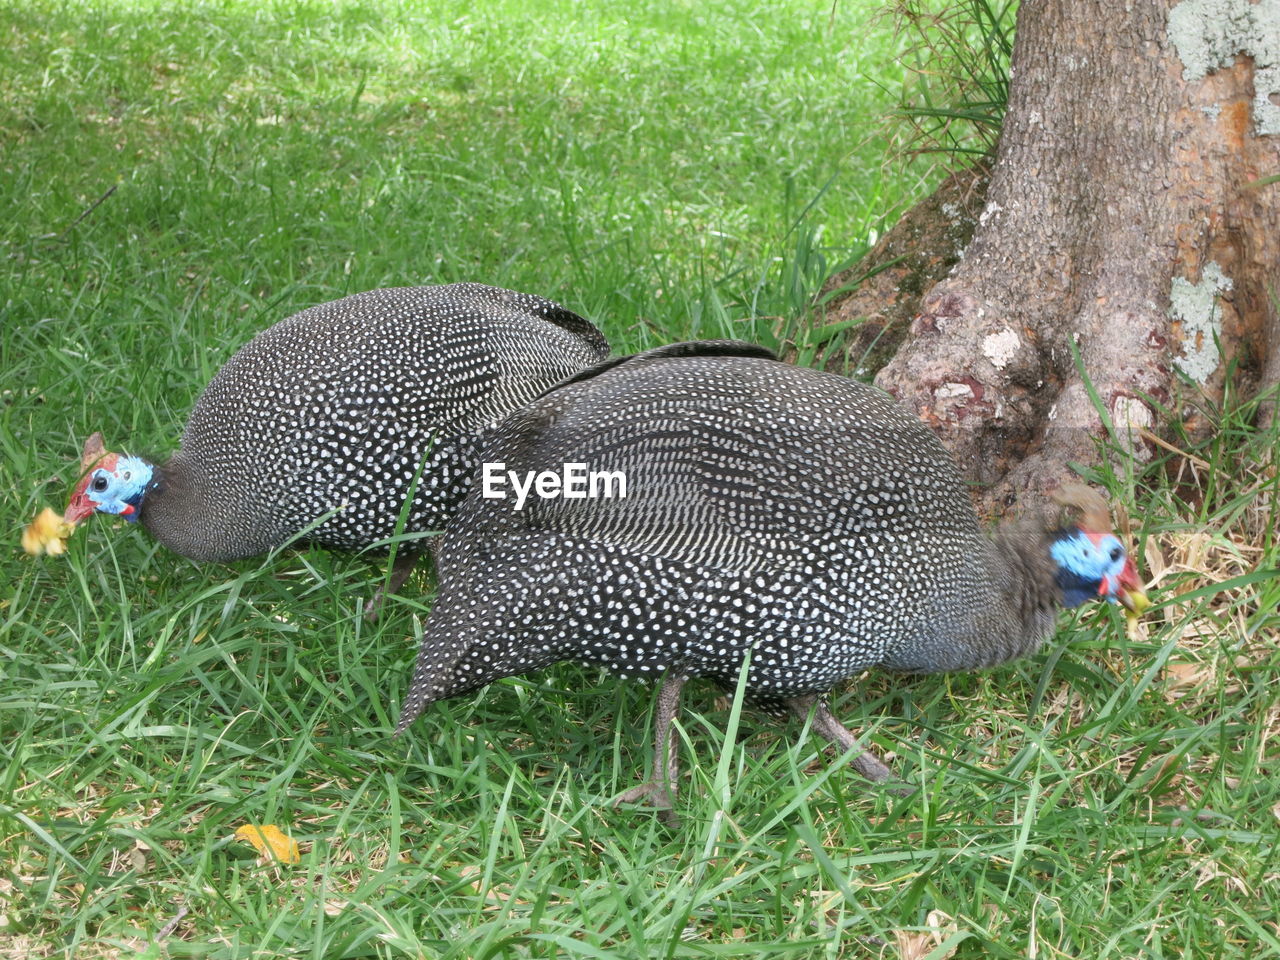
(673, 170)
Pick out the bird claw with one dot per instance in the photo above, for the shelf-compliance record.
(374, 607)
(657, 795)
(899, 789)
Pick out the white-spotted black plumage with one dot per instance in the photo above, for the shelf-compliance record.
(803, 516)
(323, 421)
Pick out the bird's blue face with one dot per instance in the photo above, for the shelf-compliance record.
(116, 485)
(1092, 565)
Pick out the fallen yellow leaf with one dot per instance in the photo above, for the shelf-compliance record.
(270, 841)
(47, 533)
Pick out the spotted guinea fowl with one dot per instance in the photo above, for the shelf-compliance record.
(798, 515)
(323, 423)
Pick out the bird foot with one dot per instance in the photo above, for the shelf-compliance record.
(874, 769)
(657, 794)
(404, 563)
(868, 764)
(373, 608)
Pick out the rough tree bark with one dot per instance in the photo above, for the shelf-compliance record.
(1119, 216)
(918, 252)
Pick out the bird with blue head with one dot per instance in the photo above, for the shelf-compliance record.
(796, 525)
(344, 425)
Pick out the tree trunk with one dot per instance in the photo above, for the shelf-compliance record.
(1119, 218)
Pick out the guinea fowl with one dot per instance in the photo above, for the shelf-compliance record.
(801, 516)
(321, 425)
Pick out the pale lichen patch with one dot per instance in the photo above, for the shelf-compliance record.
(1131, 417)
(1001, 347)
(1209, 33)
(1195, 307)
(953, 391)
(992, 209)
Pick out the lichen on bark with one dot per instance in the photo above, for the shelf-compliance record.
(1208, 34)
(1196, 313)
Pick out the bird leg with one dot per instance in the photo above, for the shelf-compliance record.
(661, 789)
(826, 725)
(404, 563)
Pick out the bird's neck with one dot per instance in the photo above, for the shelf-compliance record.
(1005, 612)
(1026, 596)
(173, 507)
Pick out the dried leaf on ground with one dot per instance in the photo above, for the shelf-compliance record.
(917, 944)
(1183, 678)
(270, 841)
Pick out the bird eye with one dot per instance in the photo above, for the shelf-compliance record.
(99, 484)
(126, 475)
(1116, 553)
